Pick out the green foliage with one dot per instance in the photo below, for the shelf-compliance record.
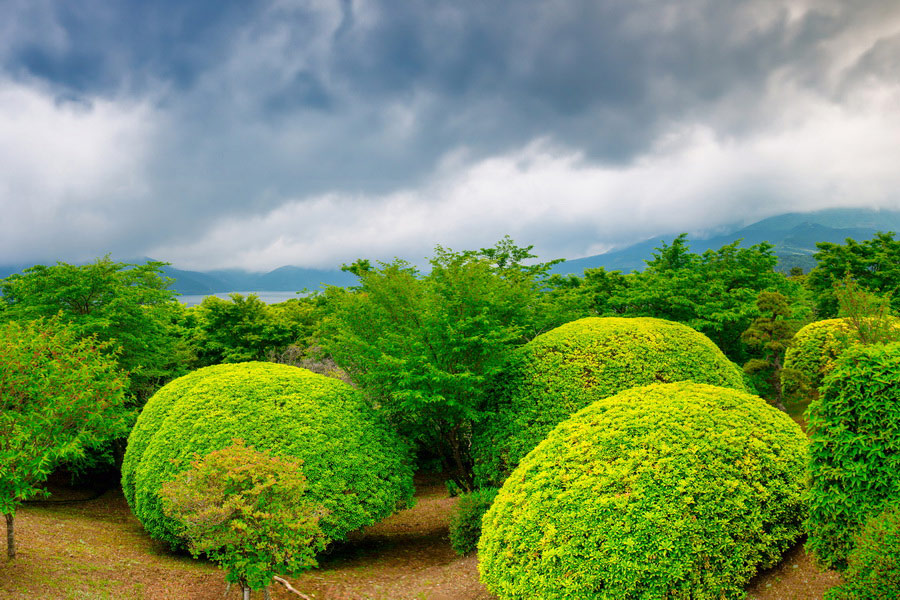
(873, 264)
(358, 470)
(244, 328)
(127, 305)
(714, 292)
(811, 357)
(59, 394)
(855, 450)
(425, 347)
(770, 334)
(564, 370)
(679, 491)
(816, 347)
(873, 571)
(465, 520)
(867, 315)
(248, 512)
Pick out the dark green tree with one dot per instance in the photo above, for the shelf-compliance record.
(873, 264)
(714, 292)
(770, 334)
(244, 328)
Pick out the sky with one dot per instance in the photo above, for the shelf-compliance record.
(255, 134)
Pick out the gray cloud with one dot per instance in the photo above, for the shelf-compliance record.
(259, 134)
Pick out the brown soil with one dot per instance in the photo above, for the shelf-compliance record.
(96, 550)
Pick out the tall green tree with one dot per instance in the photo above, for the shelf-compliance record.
(714, 292)
(129, 306)
(245, 328)
(770, 335)
(873, 264)
(60, 393)
(426, 347)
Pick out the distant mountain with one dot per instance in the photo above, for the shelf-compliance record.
(794, 235)
(283, 279)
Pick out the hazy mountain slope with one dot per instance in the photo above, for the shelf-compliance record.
(794, 234)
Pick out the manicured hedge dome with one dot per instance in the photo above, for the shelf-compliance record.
(812, 353)
(357, 468)
(566, 369)
(678, 491)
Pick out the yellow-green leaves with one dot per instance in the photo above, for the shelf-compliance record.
(358, 469)
(678, 491)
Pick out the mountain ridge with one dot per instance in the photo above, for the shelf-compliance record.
(793, 234)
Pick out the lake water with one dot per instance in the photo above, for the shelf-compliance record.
(267, 297)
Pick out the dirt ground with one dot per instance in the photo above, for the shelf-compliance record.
(96, 550)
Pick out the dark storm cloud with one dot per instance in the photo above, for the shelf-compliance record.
(237, 111)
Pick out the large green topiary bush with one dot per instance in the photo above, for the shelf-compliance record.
(855, 448)
(678, 491)
(873, 571)
(564, 370)
(358, 469)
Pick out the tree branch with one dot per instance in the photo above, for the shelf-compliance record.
(291, 588)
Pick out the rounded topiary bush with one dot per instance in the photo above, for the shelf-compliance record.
(564, 370)
(812, 353)
(855, 452)
(873, 572)
(811, 357)
(358, 470)
(679, 491)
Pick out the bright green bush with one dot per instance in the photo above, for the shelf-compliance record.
(811, 357)
(855, 448)
(874, 563)
(812, 354)
(677, 491)
(564, 370)
(465, 520)
(358, 469)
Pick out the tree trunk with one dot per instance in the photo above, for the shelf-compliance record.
(246, 591)
(10, 535)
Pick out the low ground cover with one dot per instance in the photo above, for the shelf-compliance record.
(96, 550)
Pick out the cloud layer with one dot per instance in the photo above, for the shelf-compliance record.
(312, 133)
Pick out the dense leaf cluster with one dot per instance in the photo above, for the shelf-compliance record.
(249, 512)
(59, 394)
(568, 368)
(672, 491)
(855, 448)
(873, 570)
(358, 470)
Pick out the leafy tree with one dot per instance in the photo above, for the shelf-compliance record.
(60, 393)
(247, 511)
(426, 347)
(770, 334)
(714, 292)
(130, 306)
(867, 315)
(873, 264)
(245, 328)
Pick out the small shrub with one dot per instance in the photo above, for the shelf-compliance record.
(855, 448)
(358, 469)
(248, 512)
(564, 370)
(677, 491)
(873, 571)
(465, 521)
